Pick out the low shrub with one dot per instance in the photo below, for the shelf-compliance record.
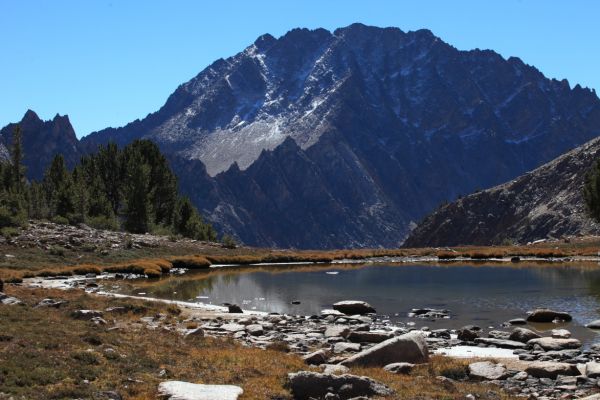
(60, 220)
(57, 251)
(103, 223)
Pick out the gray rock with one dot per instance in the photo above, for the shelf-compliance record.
(368, 337)
(550, 369)
(9, 301)
(231, 327)
(177, 390)
(546, 315)
(440, 333)
(305, 385)
(520, 376)
(523, 335)
(352, 307)
(592, 370)
(344, 347)
(255, 329)
(486, 370)
(50, 303)
(505, 344)
(548, 343)
(334, 369)
(499, 335)
(337, 331)
(561, 334)
(316, 358)
(517, 321)
(108, 395)
(429, 313)
(410, 347)
(234, 309)
(594, 324)
(86, 314)
(198, 332)
(467, 335)
(399, 368)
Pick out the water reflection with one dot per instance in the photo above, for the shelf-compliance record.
(484, 295)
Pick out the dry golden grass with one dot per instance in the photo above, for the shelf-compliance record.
(28, 262)
(45, 354)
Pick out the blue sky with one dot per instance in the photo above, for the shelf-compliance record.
(106, 63)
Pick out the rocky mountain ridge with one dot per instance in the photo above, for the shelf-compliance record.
(544, 203)
(323, 139)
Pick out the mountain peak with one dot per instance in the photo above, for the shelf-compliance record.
(30, 116)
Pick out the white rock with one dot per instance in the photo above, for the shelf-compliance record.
(177, 390)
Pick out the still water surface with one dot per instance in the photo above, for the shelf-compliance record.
(483, 295)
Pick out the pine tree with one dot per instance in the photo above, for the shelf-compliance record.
(58, 185)
(110, 170)
(138, 209)
(18, 170)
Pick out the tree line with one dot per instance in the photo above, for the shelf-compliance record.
(132, 188)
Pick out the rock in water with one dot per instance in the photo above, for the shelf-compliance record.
(486, 370)
(594, 324)
(549, 369)
(546, 315)
(523, 335)
(177, 390)
(561, 334)
(352, 307)
(307, 385)
(410, 347)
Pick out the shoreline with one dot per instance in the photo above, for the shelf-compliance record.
(335, 336)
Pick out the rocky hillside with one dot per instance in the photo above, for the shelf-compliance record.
(343, 139)
(545, 203)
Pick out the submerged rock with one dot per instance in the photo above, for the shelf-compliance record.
(177, 390)
(352, 307)
(546, 315)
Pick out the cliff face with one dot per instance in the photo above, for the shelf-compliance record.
(344, 138)
(545, 203)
